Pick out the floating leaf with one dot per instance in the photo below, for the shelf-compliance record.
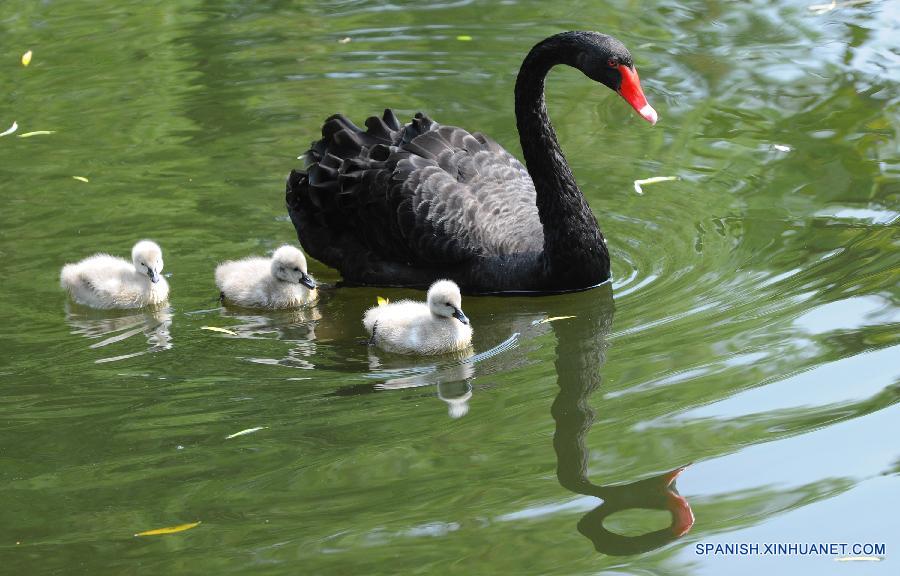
(654, 180)
(26, 58)
(243, 432)
(382, 301)
(554, 319)
(13, 128)
(464, 38)
(80, 178)
(37, 133)
(344, 40)
(217, 329)
(169, 530)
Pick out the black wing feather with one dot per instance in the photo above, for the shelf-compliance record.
(419, 195)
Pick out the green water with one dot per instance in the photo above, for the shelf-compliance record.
(750, 332)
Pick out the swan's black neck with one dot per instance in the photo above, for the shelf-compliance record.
(575, 253)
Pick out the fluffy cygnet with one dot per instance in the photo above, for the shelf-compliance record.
(279, 282)
(104, 281)
(409, 327)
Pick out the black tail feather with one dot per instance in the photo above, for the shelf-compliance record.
(347, 176)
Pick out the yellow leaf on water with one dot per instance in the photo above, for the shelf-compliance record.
(217, 329)
(26, 58)
(344, 40)
(382, 301)
(464, 38)
(169, 530)
(80, 178)
(554, 319)
(246, 431)
(37, 133)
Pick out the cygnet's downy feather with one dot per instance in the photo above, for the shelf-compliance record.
(104, 281)
(433, 327)
(279, 282)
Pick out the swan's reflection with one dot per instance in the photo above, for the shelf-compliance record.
(110, 327)
(453, 382)
(296, 326)
(581, 344)
(456, 395)
(580, 354)
(288, 324)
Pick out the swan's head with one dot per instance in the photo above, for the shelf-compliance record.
(604, 59)
(445, 301)
(147, 258)
(289, 265)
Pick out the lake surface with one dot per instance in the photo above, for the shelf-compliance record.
(750, 334)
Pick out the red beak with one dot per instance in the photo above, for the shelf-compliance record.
(631, 91)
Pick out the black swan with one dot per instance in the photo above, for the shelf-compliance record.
(406, 205)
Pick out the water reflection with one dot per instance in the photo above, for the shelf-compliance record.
(114, 327)
(581, 330)
(286, 324)
(456, 395)
(580, 354)
(453, 383)
(296, 325)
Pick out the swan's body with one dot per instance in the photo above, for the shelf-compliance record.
(404, 205)
(437, 326)
(104, 281)
(278, 282)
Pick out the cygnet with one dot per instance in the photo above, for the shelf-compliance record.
(104, 281)
(279, 282)
(433, 327)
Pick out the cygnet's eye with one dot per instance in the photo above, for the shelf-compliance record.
(296, 269)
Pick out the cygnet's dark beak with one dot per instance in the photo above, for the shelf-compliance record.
(307, 281)
(458, 314)
(154, 275)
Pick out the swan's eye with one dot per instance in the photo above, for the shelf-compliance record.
(296, 269)
(612, 63)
